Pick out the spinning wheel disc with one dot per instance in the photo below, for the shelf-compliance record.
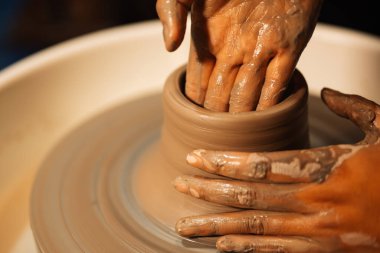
(84, 200)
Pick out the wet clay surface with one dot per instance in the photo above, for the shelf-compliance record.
(89, 194)
(187, 126)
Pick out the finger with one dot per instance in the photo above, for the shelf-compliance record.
(250, 222)
(198, 75)
(278, 74)
(247, 88)
(294, 166)
(173, 15)
(219, 86)
(241, 194)
(359, 110)
(265, 244)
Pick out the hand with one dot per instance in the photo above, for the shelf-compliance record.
(317, 200)
(242, 52)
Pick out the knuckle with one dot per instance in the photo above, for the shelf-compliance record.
(221, 165)
(257, 166)
(214, 228)
(245, 197)
(259, 170)
(328, 220)
(254, 225)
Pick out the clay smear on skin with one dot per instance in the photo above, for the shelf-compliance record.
(354, 149)
(254, 160)
(294, 168)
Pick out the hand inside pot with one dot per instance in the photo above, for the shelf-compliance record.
(242, 53)
(316, 200)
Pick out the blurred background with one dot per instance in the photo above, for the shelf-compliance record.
(27, 26)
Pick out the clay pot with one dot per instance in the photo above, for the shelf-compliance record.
(188, 126)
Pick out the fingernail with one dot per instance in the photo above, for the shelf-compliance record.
(194, 193)
(195, 158)
(192, 159)
(225, 244)
(180, 227)
(181, 184)
(185, 227)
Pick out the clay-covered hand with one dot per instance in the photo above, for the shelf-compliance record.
(323, 199)
(242, 52)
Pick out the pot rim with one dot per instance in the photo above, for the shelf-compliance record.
(287, 110)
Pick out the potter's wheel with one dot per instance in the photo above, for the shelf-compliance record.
(85, 188)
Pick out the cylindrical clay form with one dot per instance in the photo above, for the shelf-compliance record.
(188, 126)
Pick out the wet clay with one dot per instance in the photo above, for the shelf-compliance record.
(187, 127)
(107, 186)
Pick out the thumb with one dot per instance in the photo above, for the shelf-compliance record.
(362, 112)
(173, 15)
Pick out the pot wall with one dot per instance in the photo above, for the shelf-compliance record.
(188, 126)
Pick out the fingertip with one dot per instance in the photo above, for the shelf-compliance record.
(180, 227)
(186, 227)
(181, 184)
(173, 17)
(327, 94)
(172, 38)
(191, 159)
(327, 90)
(205, 160)
(188, 185)
(336, 101)
(195, 158)
(223, 243)
(227, 244)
